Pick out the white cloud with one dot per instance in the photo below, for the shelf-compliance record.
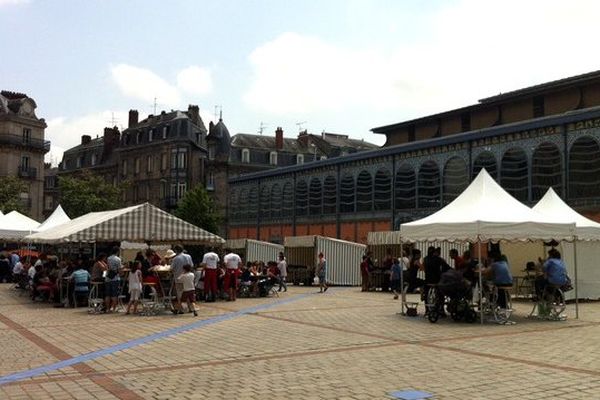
(143, 84)
(195, 80)
(12, 2)
(295, 73)
(65, 133)
(467, 50)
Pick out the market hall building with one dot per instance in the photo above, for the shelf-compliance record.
(530, 139)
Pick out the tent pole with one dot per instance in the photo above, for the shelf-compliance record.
(94, 255)
(480, 280)
(402, 293)
(575, 277)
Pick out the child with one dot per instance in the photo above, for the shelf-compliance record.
(189, 289)
(395, 277)
(135, 287)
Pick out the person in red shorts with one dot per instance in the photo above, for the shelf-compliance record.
(210, 262)
(189, 288)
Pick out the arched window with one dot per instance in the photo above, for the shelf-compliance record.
(300, 159)
(253, 204)
(315, 197)
(488, 161)
(265, 203)
(347, 194)
(584, 169)
(406, 184)
(364, 192)
(276, 201)
(429, 185)
(513, 173)
(243, 213)
(301, 198)
(546, 170)
(329, 195)
(456, 178)
(383, 190)
(287, 205)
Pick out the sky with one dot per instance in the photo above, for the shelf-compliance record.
(341, 66)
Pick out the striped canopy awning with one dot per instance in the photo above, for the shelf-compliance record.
(144, 222)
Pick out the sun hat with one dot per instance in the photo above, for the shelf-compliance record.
(170, 254)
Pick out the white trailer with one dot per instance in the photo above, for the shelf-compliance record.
(343, 257)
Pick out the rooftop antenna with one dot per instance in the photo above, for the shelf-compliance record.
(220, 109)
(299, 124)
(154, 106)
(113, 121)
(261, 128)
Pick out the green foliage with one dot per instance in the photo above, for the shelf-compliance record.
(87, 193)
(198, 208)
(11, 188)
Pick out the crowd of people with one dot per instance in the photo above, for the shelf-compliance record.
(213, 278)
(419, 272)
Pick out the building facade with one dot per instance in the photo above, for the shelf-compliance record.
(528, 140)
(157, 159)
(230, 157)
(22, 147)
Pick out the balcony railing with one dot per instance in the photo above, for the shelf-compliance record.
(16, 140)
(26, 172)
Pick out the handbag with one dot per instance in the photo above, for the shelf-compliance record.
(568, 286)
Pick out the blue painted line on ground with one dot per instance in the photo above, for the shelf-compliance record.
(17, 376)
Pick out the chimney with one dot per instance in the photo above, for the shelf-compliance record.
(85, 139)
(194, 114)
(133, 118)
(279, 138)
(111, 140)
(303, 138)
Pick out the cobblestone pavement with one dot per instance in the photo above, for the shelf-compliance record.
(342, 344)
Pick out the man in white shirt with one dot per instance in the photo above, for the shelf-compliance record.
(210, 262)
(282, 267)
(232, 264)
(177, 263)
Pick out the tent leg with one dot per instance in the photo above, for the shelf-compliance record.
(94, 251)
(480, 280)
(575, 277)
(402, 292)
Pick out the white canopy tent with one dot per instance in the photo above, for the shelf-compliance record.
(584, 252)
(144, 222)
(57, 217)
(486, 212)
(15, 226)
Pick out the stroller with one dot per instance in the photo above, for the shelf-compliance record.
(266, 286)
(460, 295)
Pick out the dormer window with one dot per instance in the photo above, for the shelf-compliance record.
(211, 152)
(138, 138)
(273, 158)
(300, 159)
(94, 159)
(150, 135)
(165, 132)
(323, 157)
(246, 156)
(79, 162)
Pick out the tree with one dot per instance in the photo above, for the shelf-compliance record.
(197, 208)
(87, 193)
(11, 188)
